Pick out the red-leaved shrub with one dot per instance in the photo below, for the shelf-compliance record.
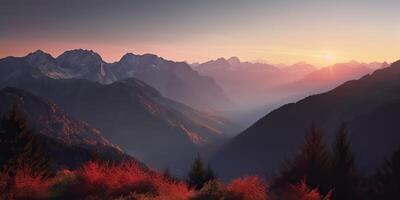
(301, 191)
(108, 180)
(24, 186)
(96, 180)
(249, 188)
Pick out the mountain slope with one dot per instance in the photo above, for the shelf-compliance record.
(68, 141)
(175, 80)
(262, 147)
(156, 130)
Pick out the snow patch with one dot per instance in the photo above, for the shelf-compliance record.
(103, 73)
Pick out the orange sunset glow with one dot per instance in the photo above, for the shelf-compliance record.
(321, 33)
(200, 99)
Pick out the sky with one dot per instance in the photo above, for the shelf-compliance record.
(320, 32)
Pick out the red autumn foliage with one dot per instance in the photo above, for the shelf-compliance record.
(108, 181)
(249, 188)
(301, 191)
(24, 186)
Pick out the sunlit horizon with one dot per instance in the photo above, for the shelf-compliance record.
(325, 59)
(317, 32)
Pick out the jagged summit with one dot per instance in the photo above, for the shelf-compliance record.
(234, 60)
(78, 57)
(134, 58)
(38, 52)
(127, 56)
(221, 60)
(39, 56)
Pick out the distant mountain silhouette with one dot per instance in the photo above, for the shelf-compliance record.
(299, 69)
(175, 80)
(325, 79)
(239, 78)
(245, 84)
(369, 106)
(159, 131)
(68, 142)
(246, 81)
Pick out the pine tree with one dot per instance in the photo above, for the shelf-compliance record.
(168, 176)
(386, 181)
(197, 174)
(210, 175)
(344, 173)
(20, 147)
(312, 164)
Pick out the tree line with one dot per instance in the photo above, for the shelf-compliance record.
(328, 169)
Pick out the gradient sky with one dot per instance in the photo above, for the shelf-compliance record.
(281, 31)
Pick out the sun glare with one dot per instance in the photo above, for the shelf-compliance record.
(328, 57)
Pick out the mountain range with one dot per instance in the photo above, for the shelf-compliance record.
(175, 80)
(246, 81)
(135, 107)
(257, 88)
(368, 106)
(160, 132)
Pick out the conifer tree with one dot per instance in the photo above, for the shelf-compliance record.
(197, 174)
(312, 164)
(386, 181)
(167, 175)
(210, 175)
(344, 173)
(20, 147)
